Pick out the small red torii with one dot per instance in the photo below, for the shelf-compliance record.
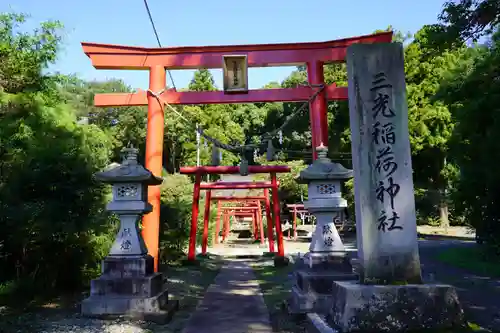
(200, 171)
(296, 208)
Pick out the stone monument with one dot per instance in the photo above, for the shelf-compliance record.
(390, 295)
(327, 259)
(128, 284)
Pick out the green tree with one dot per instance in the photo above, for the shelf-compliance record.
(23, 55)
(471, 93)
(49, 200)
(465, 20)
(124, 125)
(430, 124)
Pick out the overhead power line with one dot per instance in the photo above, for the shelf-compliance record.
(157, 37)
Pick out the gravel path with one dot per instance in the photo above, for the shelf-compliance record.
(80, 325)
(43, 323)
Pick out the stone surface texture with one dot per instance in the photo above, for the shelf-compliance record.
(377, 308)
(312, 288)
(233, 304)
(128, 287)
(383, 183)
(316, 323)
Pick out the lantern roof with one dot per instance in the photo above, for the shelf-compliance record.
(324, 169)
(129, 171)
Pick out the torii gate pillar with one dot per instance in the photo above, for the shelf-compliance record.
(154, 160)
(317, 107)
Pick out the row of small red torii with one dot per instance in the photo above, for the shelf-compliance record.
(157, 60)
(244, 207)
(199, 172)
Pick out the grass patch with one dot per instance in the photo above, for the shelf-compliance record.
(474, 327)
(274, 282)
(474, 259)
(276, 285)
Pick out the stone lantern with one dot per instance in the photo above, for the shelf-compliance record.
(327, 260)
(324, 180)
(128, 284)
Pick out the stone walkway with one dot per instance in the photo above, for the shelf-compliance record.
(233, 304)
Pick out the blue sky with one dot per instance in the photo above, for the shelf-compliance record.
(214, 22)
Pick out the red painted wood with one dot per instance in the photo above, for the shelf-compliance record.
(269, 220)
(255, 224)
(298, 94)
(154, 163)
(295, 224)
(194, 219)
(106, 56)
(217, 222)
(259, 220)
(229, 198)
(277, 219)
(225, 170)
(234, 185)
(206, 219)
(317, 107)
(236, 198)
(294, 205)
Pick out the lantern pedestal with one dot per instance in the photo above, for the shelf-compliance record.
(128, 285)
(327, 260)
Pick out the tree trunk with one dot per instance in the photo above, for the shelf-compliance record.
(444, 222)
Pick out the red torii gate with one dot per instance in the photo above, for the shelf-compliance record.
(156, 60)
(201, 171)
(296, 208)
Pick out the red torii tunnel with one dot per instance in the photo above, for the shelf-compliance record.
(257, 219)
(156, 60)
(253, 211)
(250, 209)
(199, 172)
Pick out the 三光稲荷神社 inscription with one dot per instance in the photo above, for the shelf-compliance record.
(383, 138)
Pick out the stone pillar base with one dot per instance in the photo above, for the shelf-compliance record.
(314, 277)
(128, 287)
(100, 305)
(392, 308)
(338, 261)
(312, 291)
